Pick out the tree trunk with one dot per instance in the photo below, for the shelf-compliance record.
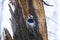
(22, 9)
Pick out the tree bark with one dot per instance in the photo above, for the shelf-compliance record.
(22, 9)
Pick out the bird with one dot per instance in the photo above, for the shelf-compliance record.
(30, 24)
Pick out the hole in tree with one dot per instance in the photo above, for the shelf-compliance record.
(30, 20)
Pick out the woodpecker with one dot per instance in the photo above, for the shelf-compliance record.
(31, 24)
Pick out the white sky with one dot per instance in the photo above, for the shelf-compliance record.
(52, 19)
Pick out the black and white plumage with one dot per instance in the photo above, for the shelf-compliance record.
(31, 24)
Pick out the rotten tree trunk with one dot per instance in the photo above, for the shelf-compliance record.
(22, 9)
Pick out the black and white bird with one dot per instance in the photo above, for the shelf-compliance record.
(31, 24)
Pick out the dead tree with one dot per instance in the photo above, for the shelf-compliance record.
(18, 19)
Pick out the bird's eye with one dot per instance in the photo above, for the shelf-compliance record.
(30, 20)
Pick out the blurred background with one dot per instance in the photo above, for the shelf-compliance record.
(52, 14)
(1, 10)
